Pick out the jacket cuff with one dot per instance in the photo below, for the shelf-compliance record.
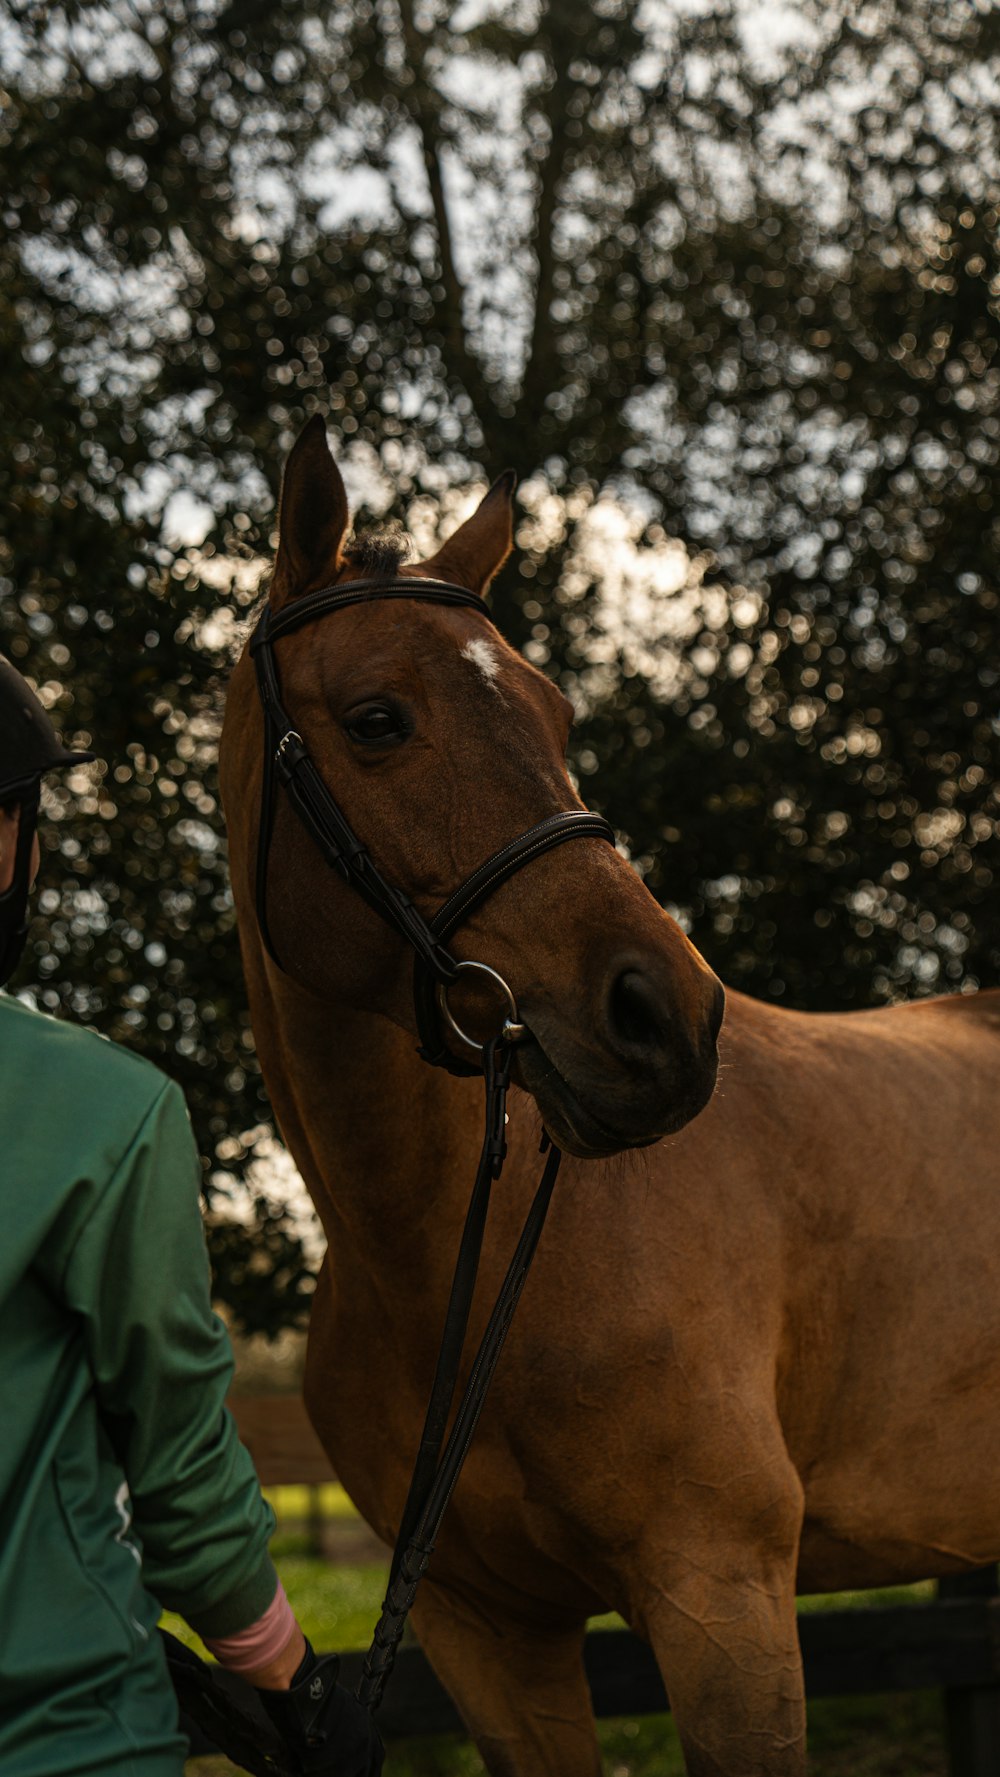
(239, 1608)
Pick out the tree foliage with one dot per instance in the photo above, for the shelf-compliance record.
(730, 306)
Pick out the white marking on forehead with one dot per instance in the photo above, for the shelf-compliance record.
(486, 658)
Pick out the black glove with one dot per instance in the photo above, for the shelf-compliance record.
(328, 1730)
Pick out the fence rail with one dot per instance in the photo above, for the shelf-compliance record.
(951, 1643)
(284, 1447)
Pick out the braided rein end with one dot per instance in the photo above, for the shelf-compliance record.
(381, 1656)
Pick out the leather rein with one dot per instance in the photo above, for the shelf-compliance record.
(289, 766)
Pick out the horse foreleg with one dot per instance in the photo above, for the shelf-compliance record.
(521, 1692)
(725, 1636)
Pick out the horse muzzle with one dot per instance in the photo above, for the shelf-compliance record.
(644, 1074)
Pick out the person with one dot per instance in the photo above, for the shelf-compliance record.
(124, 1488)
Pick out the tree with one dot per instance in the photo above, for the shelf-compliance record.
(741, 296)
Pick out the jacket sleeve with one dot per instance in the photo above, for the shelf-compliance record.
(138, 1277)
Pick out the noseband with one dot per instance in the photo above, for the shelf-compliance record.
(287, 763)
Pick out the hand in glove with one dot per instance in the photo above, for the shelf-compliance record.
(328, 1730)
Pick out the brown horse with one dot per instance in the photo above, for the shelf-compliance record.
(764, 1350)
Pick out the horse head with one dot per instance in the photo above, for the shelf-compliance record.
(441, 745)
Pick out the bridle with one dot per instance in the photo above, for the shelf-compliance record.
(289, 765)
(287, 762)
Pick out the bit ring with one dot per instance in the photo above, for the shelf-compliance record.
(512, 1030)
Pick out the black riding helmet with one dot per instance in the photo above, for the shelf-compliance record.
(29, 747)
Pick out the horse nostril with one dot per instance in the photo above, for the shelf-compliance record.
(638, 1016)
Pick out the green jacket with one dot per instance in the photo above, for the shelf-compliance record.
(123, 1485)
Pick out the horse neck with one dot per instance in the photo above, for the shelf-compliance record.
(387, 1146)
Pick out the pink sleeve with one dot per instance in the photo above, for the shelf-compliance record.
(261, 1642)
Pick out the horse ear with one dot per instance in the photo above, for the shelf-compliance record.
(480, 546)
(312, 517)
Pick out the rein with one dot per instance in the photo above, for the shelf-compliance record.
(289, 766)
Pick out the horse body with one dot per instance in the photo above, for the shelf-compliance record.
(763, 1351)
(889, 1390)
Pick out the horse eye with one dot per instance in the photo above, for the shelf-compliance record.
(374, 723)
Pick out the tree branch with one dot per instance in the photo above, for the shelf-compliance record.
(543, 245)
(422, 104)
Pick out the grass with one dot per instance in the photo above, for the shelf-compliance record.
(895, 1736)
(295, 1504)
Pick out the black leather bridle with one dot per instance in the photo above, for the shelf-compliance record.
(288, 764)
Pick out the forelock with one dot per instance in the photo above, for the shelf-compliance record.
(378, 555)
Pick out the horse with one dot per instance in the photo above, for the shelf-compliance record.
(760, 1348)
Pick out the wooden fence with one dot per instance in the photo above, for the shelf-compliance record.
(951, 1643)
